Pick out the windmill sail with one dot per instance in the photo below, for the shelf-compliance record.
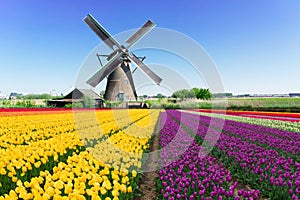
(101, 32)
(148, 26)
(105, 70)
(130, 79)
(146, 69)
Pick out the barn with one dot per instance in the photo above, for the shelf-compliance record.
(294, 94)
(77, 96)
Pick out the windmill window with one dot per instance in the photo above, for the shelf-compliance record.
(126, 81)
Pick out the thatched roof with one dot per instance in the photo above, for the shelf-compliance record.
(79, 93)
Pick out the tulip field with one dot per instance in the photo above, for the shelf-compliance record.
(99, 154)
(62, 155)
(247, 161)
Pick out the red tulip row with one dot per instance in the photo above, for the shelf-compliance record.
(292, 117)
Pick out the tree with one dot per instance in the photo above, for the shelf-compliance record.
(160, 96)
(37, 96)
(222, 95)
(182, 94)
(195, 91)
(204, 94)
(198, 93)
(102, 94)
(88, 102)
(191, 94)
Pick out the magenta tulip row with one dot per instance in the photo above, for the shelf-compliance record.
(251, 155)
(185, 175)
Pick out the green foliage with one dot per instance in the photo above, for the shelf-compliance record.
(74, 105)
(156, 105)
(222, 95)
(198, 93)
(160, 96)
(184, 94)
(39, 96)
(57, 97)
(24, 104)
(207, 105)
(102, 94)
(15, 95)
(189, 105)
(88, 102)
(171, 106)
(69, 105)
(203, 94)
(18, 104)
(29, 104)
(77, 105)
(265, 102)
(181, 105)
(5, 103)
(112, 104)
(151, 102)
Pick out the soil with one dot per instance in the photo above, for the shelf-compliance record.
(147, 184)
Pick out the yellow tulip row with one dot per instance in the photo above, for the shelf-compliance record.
(16, 130)
(95, 126)
(25, 157)
(125, 148)
(18, 156)
(80, 177)
(119, 153)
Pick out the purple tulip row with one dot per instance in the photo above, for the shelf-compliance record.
(288, 142)
(274, 174)
(289, 147)
(267, 130)
(185, 175)
(274, 138)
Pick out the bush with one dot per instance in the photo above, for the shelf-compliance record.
(29, 104)
(112, 104)
(5, 103)
(171, 106)
(205, 105)
(77, 105)
(69, 105)
(88, 102)
(189, 105)
(149, 102)
(156, 105)
(74, 105)
(24, 104)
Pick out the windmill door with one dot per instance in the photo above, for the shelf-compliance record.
(121, 96)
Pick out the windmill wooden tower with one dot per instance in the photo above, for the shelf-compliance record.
(120, 84)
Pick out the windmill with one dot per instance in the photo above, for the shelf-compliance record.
(120, 84)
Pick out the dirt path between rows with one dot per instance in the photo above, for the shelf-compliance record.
(147, 184)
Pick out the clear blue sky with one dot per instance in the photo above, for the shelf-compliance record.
(254, 44)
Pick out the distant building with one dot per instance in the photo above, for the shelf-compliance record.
(242, 95)
(262, 95)
(269, 95)
(76, 96)
(222, 95)
(294, 94)
(15, 95)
